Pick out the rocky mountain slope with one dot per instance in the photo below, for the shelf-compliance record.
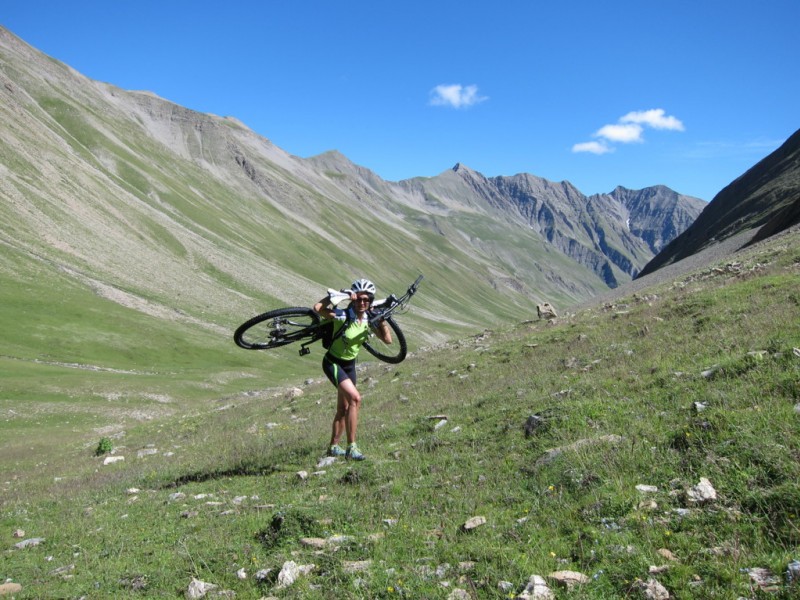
(764, 201)
(195, 218)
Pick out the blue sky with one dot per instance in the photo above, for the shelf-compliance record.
(688, 94)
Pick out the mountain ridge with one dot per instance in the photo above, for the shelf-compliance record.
(765, 200)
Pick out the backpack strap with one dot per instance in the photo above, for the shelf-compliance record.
(351, 316)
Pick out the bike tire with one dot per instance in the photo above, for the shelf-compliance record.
(394, 353)
(277, 328)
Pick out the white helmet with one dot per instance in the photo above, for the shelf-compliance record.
(363, 285)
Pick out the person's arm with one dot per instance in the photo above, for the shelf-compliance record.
(383, 331)
(324, 308)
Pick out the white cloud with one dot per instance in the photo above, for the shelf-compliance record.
(654, 118)
(624, 134)
(629, 129)
(456, 95)
(592, 147)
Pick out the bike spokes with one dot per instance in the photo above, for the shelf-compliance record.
(277, 328)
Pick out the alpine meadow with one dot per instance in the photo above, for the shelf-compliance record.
(643, 442)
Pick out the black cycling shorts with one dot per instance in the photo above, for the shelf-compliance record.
(338, 370)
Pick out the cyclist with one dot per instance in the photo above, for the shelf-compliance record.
(339, 364)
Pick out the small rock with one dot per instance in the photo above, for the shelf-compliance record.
(177, 496)
(536, 589)
(110, 460)
(146, 452)
(241, 574)
(19, 533)
(664, 553)
(302, 475)
(646, 489)
(293, 393)
(356, 566)
(198, 589)
(473, 523)
(459, 594)
(653, 590)
(793, 572)
(505, 586)
(29, 543)
(335, 540)
(656, 570)
(290, 573)
(703, 492)
(764, 579)
(700, 406)
(316, 543)
(546, 311)
(63, 570)
(326, 461)
(10, 588)
(569, 578)
(648, 505)
(532, 424)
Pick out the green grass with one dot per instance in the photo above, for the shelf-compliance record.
(633, 371)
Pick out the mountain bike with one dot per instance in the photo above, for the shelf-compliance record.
(284, 326)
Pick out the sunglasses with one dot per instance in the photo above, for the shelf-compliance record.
(365, 298)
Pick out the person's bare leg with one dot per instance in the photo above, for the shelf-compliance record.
(337, 428)
(350, 401)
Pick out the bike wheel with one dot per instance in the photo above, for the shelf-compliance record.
(276, 328)
(390, 353)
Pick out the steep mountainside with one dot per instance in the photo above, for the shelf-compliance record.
(196, 218)
(765, 200)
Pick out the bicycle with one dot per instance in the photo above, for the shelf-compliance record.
(284, 326)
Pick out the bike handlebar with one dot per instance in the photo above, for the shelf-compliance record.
(393, 303)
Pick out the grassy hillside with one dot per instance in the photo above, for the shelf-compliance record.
(695, 379)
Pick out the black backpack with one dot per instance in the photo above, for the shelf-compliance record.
(326, 329)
